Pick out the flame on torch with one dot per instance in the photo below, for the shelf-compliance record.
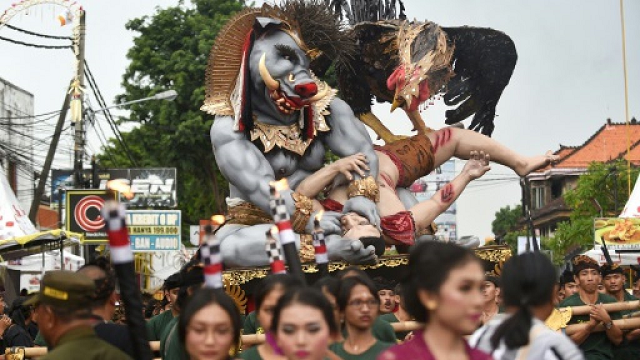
(318, 216)
(217, 220)
(274, 231)
(122, 187)
(280, 185)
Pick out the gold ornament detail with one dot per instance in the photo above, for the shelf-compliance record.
(247, 214)
(237, 294)
(302, 214)
(366, 187)
(307, 252)
(243, 276)
(287, 137)
(559, 318)
(494, 253)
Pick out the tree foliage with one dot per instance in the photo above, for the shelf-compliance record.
(505, 226)
(604, 184)
(506, 220)
(170, 51)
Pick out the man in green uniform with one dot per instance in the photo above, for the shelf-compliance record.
(158, 324)
(63, 307)
(191, 278)
(400, 315)
(595, 345)
(613, 280)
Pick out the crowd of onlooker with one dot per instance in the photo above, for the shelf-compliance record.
(464, 313)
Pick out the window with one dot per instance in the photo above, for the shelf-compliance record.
(537, 197)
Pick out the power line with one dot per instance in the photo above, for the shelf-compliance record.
(48, 47)
(98, 95)
(37, 34)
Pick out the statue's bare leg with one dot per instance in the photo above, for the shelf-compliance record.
(449, 142)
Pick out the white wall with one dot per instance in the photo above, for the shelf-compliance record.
(16, 138)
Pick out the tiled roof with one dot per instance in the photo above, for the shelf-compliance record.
(608, 143)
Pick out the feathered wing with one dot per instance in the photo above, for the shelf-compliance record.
(484, 60)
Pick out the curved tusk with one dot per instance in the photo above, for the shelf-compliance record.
(322, 93)
(269, 81)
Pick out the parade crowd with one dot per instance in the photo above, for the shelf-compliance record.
(466, 313)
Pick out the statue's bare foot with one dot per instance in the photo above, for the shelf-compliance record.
(536, 162)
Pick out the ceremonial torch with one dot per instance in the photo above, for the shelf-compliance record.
(322, 259)
(114, 215)
(210, 255)
(274, 252)
(285, 231)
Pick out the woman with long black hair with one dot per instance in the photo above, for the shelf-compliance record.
(442, 290)
(528, 293)
(209, 325)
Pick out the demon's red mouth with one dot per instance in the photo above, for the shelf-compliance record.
(286, 105)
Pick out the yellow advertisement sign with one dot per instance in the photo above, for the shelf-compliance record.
(617, 233)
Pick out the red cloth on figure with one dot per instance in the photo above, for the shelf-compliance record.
(399, 227)
(331, 205)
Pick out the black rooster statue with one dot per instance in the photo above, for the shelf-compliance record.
(408, 63)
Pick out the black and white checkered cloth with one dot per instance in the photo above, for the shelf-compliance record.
(274, 250)
(279, 210)
(210, 251)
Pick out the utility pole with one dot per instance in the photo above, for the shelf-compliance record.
(78, 152)
(44, 174)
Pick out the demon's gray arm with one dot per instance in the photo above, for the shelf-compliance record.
(348, 136)
(241, 162)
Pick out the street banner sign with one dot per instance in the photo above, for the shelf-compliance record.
(152, 187)
(83, 213)
(154, 230)
(617, 233)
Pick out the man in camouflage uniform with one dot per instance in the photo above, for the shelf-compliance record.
(63, 306)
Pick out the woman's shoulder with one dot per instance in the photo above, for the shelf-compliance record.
(411, 349)
(560, 343)
(475, 354)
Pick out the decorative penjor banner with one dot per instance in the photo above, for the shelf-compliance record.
(617, 233)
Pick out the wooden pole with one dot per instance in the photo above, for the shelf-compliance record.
(44, 174)
(623, 324)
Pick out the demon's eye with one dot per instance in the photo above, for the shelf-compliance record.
(287, 52)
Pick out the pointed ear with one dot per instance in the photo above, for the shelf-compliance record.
(263, 24)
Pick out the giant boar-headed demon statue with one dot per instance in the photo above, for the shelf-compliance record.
(273, 120)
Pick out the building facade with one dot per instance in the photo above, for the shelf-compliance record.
(549, 184)
(17, 141)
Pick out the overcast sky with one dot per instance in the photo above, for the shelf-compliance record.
(567, 82)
